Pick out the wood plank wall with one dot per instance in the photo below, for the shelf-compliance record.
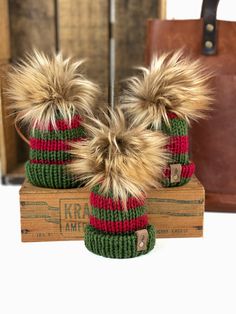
(4, 32)
(130, 33)
(80, 28)
(32, 24)
(83, 33)
(4, 60)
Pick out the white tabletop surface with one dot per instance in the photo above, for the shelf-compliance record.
(194, 275)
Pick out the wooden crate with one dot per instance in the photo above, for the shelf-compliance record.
(50, 215)
(79, 28)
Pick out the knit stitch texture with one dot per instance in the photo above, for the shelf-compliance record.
(49, 154)
(111, 232)
(178, 148)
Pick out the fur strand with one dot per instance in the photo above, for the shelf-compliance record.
(122, 159)
(40, 88)
(172, 83)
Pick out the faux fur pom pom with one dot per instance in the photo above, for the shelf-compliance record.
(122, 159)
(172, 83)
(42, 87)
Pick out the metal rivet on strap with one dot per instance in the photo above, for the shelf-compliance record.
(210, 27)
(208, 44)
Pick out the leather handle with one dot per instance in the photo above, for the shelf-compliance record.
(208, 13)
(20, 133)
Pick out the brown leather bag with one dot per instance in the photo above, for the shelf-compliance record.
(213, 140)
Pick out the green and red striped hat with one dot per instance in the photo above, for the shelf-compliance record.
(51, 97)
(180, 168)
(119, 164)
(168, 94)
(49, 156)
(117, 233)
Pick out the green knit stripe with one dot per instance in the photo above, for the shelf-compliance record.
(49, 155)
(69, 134)
(179, 159)
(116, 246)
(51, 176)
(166, 182)
(96, 190)
(47, 167)
(178, 127)
(118, 215)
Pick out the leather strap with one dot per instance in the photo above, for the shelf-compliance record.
(20, 133)
(208, 13)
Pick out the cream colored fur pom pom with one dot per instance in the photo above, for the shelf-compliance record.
(172, 83)
(125, 160)
(41, 87)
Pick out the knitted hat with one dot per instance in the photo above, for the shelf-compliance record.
(167, 96)
(51, 98)
(49, 154)
(119, 163)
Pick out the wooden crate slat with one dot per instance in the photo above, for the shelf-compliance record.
(4, 31)
(9, 153)
(13, 150)
(32, 25)
(83, 32)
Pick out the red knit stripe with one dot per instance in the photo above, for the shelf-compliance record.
(178, 144)
(63, 125)
(49, 162)
(171, 115)
(119, 226)
(108, 203)
(51, 145)
(186, 172)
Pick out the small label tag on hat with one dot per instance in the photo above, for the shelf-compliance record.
(175, 173)
(142, 239)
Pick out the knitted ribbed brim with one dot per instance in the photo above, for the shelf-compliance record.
(178, 148)
(53, 176)
(49, 154)
(116, 245)
(113, 231)
(186, 175)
